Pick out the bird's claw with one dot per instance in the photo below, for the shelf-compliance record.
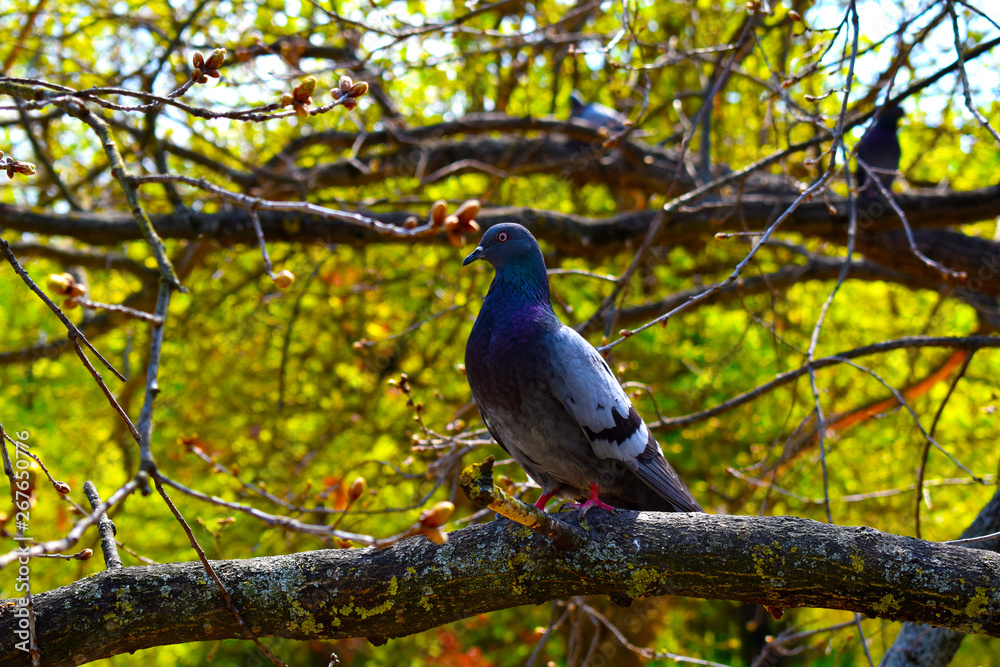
(592, 501)
(585, 507)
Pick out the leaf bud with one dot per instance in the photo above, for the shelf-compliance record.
(358, 488)
(438, 212)
(437, 515)
(284, 279)
(435, 535)
(60, 283)
(305, 89)
(468, 210)
(216, 59)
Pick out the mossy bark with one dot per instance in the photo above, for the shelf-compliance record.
(416, 584)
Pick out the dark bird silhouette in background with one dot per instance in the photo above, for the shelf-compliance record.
(879, 149)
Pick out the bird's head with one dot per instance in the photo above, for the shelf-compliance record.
(890, 116)
(508, 245)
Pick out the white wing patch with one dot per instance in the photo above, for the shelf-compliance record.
(589, 391)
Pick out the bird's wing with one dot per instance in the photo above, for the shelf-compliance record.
(654, 470)
(585, 385)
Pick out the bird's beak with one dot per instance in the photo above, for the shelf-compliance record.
(474, 256)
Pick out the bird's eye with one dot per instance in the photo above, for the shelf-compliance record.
(502, 236)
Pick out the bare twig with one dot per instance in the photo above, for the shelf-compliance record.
(105, 527)
(838, 135)
(145, 426)
(964, 76)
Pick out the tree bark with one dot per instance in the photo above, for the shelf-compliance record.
(416, 584)
(570, 234)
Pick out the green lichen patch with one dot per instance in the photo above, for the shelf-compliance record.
(643, 581)
(363, 612)
(380, 609)
(858, 562)
(979, 602)
(303, 621)
(767, 560)
(888, 604)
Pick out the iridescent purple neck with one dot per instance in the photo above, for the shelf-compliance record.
(521, 283)
(519, 303)
(519, 329)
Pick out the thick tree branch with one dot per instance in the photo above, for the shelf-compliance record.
(907, 342)
(571, 234)
(817, 268)
(417, 584)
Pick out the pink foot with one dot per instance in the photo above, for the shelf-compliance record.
(592, 501)
(544, 498)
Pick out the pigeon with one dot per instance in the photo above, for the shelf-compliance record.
(879, 149)
(550, 399)
(596, 114)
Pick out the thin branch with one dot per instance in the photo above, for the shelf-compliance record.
(909, 342)
(105, 527)
(76, 532)
(964, 76)
(477, 483)
(103, 132)
(648, 653)
(70, 327)
(145, 426)
(130, 313)
(903, 402)
(922, 468)
(256, 203)
(215, 577)
(852, 15)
